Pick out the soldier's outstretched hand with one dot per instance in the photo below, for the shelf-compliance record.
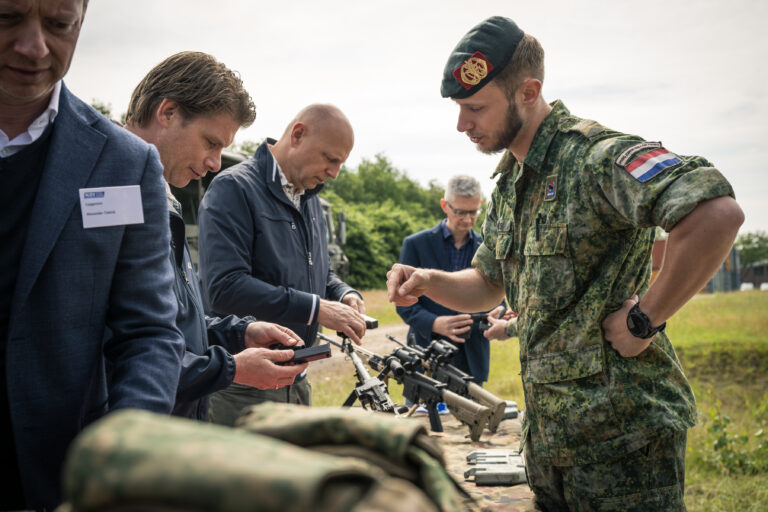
(405, 284)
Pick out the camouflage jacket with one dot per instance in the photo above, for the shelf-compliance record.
(569, 235)
(359, 461)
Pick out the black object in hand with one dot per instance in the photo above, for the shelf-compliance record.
(306, 354)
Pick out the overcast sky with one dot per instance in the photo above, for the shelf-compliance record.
(690, 73)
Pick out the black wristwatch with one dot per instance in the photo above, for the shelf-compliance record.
(639, 324)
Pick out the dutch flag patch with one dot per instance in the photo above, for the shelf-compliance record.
(643, 164)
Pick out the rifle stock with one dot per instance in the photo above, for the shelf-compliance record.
(435, 359)
(474, 415)
(494, 403)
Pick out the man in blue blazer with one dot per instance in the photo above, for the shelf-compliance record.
(85, 246)
(449, 246)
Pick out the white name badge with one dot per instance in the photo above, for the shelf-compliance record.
(111, 206)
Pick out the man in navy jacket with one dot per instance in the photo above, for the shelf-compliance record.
(449, 246)
(264, 249)
(190, 106)
(84, 245)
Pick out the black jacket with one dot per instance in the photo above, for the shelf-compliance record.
(259, 254)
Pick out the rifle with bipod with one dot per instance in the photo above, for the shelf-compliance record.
(371, 391)
(435, 359)
(403, 366)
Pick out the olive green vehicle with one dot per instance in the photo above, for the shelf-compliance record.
(191, 195)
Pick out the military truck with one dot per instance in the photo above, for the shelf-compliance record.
(191, 195)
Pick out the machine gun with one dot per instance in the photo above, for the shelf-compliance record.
(371, 391)
(435, 359)
(403, 366)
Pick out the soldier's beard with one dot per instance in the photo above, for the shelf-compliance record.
(513, 124)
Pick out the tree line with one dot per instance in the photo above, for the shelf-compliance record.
(382, 206)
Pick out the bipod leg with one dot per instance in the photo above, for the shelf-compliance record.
(350, 399)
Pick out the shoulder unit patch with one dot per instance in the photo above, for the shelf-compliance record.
(550, 192)
(646, 160)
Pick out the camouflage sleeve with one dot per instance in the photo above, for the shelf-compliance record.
(638, 184)
(485, 257)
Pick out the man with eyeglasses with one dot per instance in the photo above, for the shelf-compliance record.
(449, 246)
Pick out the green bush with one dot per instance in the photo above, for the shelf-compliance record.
(382, 206)
(733, 453)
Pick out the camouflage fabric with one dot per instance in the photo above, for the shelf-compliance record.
(136, 460)
(399, 446)
(568, 234)
(647, 480)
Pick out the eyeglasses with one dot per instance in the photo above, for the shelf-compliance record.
(463, 213)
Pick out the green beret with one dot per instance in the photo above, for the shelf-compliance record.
(479, 56)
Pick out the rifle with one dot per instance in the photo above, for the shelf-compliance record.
(403, 365)
(371, 391)
(435, 359)
(418, 387)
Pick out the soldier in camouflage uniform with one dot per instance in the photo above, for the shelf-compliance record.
(567, 240)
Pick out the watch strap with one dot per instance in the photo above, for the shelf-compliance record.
(639, 324)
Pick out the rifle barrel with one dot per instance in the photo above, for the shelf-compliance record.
(392, 338)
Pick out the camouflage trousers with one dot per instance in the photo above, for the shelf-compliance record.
(226, 406)
(649, 479)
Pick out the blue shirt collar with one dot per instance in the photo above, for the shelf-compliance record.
(448, 235)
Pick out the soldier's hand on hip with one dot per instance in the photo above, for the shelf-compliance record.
(341, 318)
(617, 333)
(450, 326)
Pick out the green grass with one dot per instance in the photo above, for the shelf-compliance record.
(740, 317)
(378, 307)
(332, 390)
(722, 341)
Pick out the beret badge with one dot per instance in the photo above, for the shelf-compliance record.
(473, 70)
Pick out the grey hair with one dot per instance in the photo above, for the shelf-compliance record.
(462, 185)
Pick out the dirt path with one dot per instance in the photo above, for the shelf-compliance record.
(374, 340)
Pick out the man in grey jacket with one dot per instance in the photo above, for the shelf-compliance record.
(264, 249)
(190, 106)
